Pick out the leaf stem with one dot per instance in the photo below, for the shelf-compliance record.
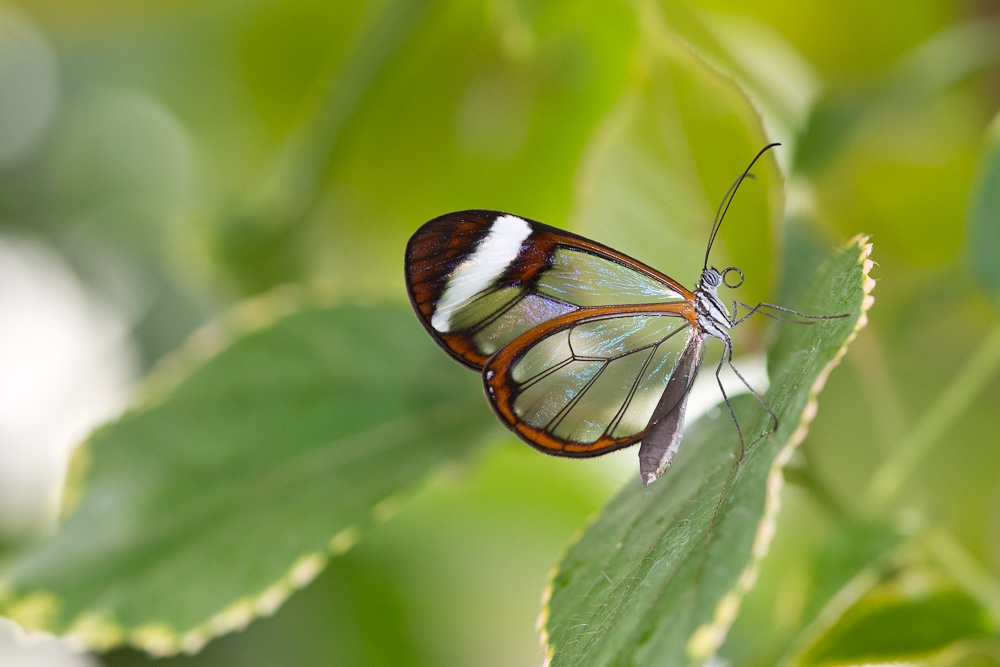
(890, 478)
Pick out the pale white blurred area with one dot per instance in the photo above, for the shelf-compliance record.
(37, 650)
(66, 365)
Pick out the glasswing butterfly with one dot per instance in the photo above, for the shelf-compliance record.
(583, 350)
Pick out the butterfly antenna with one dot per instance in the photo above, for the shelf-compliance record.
(720, 214)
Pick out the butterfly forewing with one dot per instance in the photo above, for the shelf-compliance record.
(585, 279)
(480, 279)
(586, 386)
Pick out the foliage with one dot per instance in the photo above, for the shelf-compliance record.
(244, 176)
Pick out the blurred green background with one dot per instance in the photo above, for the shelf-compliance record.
(162, 161)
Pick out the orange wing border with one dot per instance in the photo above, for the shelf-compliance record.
(501, 389)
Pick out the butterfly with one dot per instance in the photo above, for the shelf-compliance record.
(583, 350)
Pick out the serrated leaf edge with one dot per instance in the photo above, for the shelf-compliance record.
(92, 631)
(33, 612)
(100, 633)
(707, 639)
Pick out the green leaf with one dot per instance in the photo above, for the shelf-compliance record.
(891, 626)
(912, 614)
(658, 578)
(352, 614)
(208, 507)
(984, 215)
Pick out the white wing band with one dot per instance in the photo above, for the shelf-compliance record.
(482, 268)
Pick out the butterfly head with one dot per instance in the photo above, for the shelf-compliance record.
(711, 278)
(714, 314)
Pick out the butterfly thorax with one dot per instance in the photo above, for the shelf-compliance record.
(713, 316)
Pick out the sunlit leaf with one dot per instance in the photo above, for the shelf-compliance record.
(208, 507)
(664, 157)
(396, 127)
(658, 578)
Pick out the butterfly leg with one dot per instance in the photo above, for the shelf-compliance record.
(718, 379)
(757, 309)
(727, 357)
(760, 399)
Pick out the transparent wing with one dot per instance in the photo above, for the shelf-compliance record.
(480, 279)
(584, 387)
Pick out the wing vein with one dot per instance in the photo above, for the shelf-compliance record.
(559, 416)
(613, 424)
(498, 313)
(538, 377)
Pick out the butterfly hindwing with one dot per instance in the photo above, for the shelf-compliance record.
(584, 385)
(480, 279)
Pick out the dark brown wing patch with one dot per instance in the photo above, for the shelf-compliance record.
(479, 279)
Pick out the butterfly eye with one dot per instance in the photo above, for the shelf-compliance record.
(726, 282)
